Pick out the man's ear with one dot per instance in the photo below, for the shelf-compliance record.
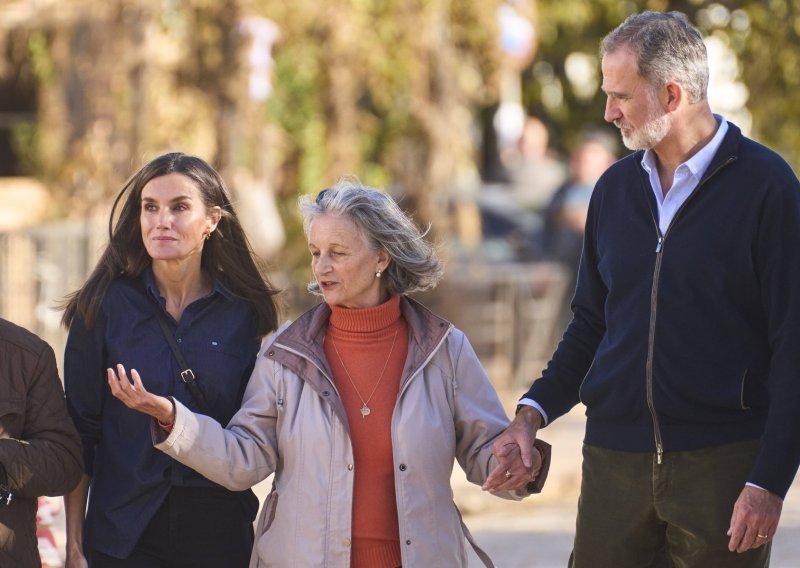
(675, 95)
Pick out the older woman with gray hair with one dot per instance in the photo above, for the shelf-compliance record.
(359, 407)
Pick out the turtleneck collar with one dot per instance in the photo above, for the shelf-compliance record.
(366, 320)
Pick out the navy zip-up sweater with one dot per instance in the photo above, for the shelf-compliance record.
(690, 339)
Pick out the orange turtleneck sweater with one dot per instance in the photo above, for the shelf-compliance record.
(359, 345)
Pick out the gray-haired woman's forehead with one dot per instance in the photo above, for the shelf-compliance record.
(414, 264)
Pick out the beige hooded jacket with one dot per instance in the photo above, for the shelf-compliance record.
(292, 423)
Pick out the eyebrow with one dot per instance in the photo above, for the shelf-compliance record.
(173, 200)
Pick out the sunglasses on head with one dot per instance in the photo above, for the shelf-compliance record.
(320, 196)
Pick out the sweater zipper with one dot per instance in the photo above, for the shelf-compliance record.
(653, 304)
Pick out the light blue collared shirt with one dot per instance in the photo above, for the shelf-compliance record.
(687, 176)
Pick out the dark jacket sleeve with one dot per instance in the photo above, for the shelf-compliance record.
(84, 381)
(46, 458)
(557, 391)
(778, 267)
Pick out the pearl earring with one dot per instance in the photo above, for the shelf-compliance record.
(378, 274)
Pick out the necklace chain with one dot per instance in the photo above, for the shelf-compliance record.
(365, 409)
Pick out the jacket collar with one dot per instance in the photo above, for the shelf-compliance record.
(299, 347)
(728, 151)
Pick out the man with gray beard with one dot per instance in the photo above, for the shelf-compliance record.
(686, 324)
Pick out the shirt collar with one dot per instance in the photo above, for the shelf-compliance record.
(697, 164)
(150, 284)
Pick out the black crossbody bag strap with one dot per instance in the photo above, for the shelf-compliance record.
(187, 375)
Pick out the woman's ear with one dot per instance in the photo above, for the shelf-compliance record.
(383, 259)
(214, 217)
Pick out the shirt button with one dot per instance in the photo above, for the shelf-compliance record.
(350, 467)
(179, 340)
(346, 542)
(402, 467)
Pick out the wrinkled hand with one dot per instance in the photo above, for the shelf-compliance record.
(755, 513)
(515, 453)
(511, 473)
(135, 396)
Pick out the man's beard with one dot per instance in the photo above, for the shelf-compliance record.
(654, 130)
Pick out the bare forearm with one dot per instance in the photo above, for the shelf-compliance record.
(75, 511)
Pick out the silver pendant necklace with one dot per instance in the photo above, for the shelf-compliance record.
(365, 409)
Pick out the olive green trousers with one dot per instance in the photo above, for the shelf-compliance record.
(636, 513)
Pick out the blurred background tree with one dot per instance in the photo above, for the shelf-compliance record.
(401, 93)
(562, 84)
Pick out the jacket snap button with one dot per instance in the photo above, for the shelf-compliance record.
(326, 393)
(350, 467)
(402, 467)
(408, 541)
(271, 353)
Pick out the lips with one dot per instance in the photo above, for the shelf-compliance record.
(327, 284)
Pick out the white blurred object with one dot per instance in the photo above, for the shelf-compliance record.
(258, 212)
(727, 94)
(263, 35)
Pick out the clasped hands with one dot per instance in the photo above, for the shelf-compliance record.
(518, 460)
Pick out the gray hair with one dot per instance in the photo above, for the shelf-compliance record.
(667, 48)
(414, 265)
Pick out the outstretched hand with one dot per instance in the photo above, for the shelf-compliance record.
(135, 396)
(518, 463)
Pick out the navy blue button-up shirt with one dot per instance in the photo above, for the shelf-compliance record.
(130, 479)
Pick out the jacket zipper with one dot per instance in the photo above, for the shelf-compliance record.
(653, 304)
(424, 363)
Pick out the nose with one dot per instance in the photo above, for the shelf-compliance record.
(321, 264)
(164, 218)
(612, 112)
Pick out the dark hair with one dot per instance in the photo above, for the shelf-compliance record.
(227, 254)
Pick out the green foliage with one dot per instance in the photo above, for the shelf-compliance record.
(770, 59)
(25, 141)
(766, 41)
(41, 60)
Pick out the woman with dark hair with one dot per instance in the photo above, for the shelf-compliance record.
(360, 407)
(178, 290)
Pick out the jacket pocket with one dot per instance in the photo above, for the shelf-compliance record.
(268, 514)
(12, 413)
(719, 391)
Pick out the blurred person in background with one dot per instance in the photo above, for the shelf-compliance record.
(359, 407)
(178, 290)
(40, 451)
(684, 340)
(538, 172)
(565, 215)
